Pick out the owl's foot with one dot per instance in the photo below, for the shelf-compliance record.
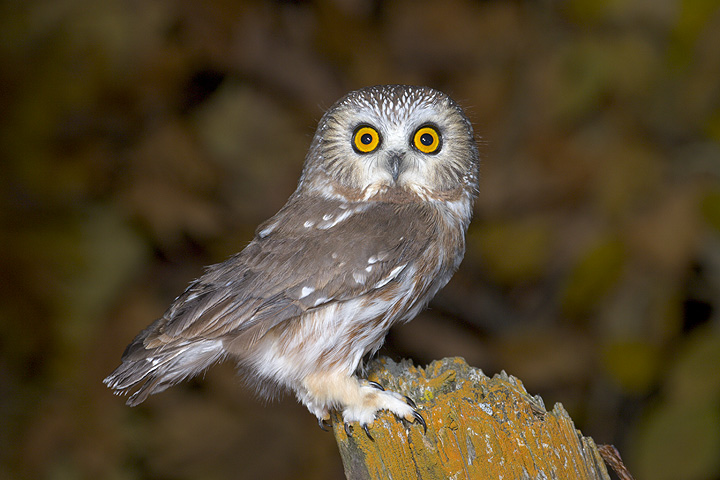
(374, 398)
(417, 418)
(358, 401)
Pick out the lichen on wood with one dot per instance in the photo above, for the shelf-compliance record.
(477, 428)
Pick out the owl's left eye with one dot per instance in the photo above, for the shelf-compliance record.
(427, 139)
(365, 139)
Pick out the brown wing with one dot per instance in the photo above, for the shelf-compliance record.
(309, 254)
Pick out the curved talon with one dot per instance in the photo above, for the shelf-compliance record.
(348, 430)
(410, 402)
(419, 419)
(364, 427)
(324, 424)
(376, 385)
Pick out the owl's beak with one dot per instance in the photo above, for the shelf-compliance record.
(396, 164)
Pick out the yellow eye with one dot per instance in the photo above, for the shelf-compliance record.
(427, 139)
(365, 139)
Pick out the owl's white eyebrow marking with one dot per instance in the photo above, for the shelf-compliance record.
(308, 224)
(306, 291)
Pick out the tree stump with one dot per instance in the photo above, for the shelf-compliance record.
(477, 428)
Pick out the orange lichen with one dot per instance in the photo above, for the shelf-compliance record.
(478, 427)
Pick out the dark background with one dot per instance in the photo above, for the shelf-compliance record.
(141, 140)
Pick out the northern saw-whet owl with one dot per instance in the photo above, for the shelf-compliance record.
(374, 229)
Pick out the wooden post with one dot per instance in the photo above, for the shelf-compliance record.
(478, 428)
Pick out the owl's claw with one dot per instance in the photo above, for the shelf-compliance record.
(349, 430)
(376, 385)
(419, 419)
(324, 424)
(373, 398)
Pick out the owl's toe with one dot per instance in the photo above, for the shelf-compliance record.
(375, 385)
(325, 423)
(349, 430)
(374, 400)
(358, 400)
(417, 418)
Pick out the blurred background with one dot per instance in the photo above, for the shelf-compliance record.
(142, 140)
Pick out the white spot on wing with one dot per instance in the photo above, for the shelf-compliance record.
(343, 216)
(397, 270)
(391, 276)
(267, 230)
(306, 291)
(308, 224)
(320, 300)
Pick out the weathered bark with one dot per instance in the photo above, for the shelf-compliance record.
(478, 428)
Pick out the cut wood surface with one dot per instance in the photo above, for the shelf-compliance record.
(477, 428)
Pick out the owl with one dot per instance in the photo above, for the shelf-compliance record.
(374, 229)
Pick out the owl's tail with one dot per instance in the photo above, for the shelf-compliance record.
(152, 370)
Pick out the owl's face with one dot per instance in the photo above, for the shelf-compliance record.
(379, 139)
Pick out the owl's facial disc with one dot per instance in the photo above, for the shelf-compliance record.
(399, 139)
(367, 142)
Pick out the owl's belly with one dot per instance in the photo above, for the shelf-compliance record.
(336, 337)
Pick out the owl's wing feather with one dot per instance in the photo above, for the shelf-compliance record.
(294, 264)
(295, 268)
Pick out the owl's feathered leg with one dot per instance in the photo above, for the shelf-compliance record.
(358, 400)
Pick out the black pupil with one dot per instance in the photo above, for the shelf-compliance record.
(366, 139)
(426, 139)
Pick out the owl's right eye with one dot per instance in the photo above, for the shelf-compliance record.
(365, 139)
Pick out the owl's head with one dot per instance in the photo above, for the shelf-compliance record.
(393, 138)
